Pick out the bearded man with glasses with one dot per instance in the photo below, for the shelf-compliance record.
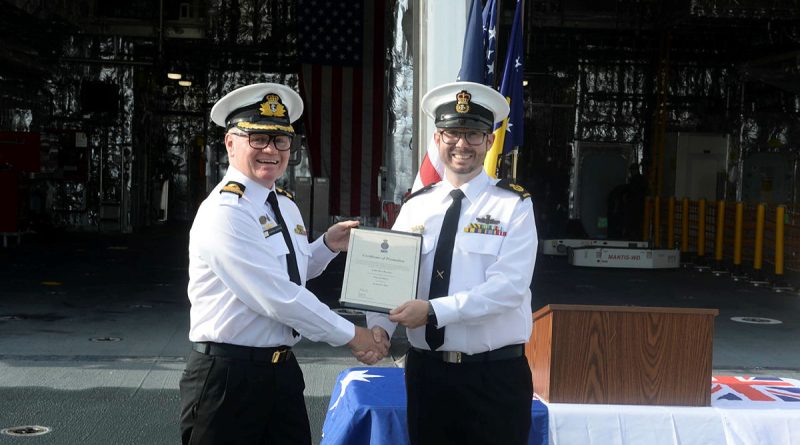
(467, 378)
(249, 258)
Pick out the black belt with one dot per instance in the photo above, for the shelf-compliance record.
(504, 353)
(272, 355)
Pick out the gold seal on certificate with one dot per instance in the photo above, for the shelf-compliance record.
(382, 269)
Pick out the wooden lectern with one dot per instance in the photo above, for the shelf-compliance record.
(622, 354)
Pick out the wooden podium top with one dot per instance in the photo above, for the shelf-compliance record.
(622, 354)
(590, 307)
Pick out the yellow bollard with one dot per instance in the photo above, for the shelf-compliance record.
(737, 234)
(701, 228)
(719, 237)
(779, 216)
(758, 254)
(780, 284)
(671, 223)
(657, 221)
(685, 226)
(737, 273)
(719, 233)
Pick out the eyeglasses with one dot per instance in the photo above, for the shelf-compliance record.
(450, 137)
(260, 141)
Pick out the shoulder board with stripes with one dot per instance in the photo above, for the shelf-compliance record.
(233, 187)
(285, 193)
(419, 192)
(510, 186)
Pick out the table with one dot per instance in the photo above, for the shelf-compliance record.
(368, 406)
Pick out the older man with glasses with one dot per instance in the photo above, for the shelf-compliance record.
(249, 258)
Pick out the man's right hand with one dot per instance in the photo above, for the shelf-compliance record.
(369, 346)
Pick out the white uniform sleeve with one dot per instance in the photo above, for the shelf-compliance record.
(382, 320)
(507, 280)
(238, 253)
(321, 256)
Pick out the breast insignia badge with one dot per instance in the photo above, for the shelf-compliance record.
(267, 226)
(486, 225)
(487, 220)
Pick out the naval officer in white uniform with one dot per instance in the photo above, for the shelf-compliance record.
(467, 378)
(249, 259)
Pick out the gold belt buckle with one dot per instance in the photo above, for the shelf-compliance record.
(276, 356)
(452, 357)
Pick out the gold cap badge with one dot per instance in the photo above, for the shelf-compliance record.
(272, 106)
(463, 98)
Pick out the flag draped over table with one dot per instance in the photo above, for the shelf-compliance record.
(477, 65)
(509, 133)
(753, 389)
(340, 46)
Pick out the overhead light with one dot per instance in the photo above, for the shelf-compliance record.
(185, 83)
(525, 82)
(173, 75)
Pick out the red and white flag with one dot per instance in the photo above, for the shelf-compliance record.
(431, 170)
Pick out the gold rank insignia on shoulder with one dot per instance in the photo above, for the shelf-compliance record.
(418, 229)
(300, 230)
(234, 187)
(285, 193)
(515, 188)
(462, 101)
(273, 106)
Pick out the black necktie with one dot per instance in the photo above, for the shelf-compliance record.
(291, 260)
(442, 259)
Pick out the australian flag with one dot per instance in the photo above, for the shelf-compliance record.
(480, 43)
(511, 86)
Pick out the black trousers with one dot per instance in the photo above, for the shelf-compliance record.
(230, 401)
(468, 403)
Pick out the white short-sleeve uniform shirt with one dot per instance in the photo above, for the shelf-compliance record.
(489, 301)
(239, 286)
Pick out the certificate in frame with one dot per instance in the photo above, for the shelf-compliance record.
(382, 269)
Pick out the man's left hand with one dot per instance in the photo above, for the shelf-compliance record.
(338, 235)
(411, 314)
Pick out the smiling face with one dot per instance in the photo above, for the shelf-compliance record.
(462, 161)
(263, 166)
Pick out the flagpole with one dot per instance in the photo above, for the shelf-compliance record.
(514, 157)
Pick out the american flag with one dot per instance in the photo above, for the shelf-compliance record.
(340, 45)
(756, 389)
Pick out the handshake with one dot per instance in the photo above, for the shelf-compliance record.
(369, 346)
